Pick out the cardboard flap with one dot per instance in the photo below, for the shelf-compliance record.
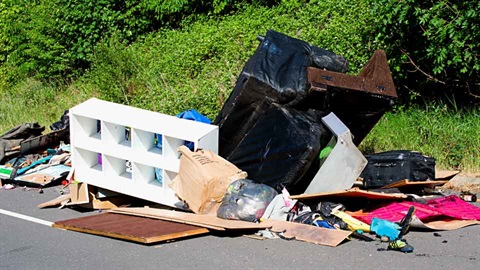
(203, 179)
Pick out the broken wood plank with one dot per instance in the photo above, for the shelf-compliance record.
(406, 183)
(131, 228)
(55, 202)
(308, 233)
(354, 192)
(211, 222)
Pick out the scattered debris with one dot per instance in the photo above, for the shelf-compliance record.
(132, 228)
(290, 126)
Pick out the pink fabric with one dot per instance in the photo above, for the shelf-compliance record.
(450, 206)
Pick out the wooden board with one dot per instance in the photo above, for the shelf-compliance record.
(308, 233)
(55, 202)
(132, 228)
(210, 222)
(354, 192)
(408, 183)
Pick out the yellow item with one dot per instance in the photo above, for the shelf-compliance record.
(353, 224)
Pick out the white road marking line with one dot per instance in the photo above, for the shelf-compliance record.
(32, 219)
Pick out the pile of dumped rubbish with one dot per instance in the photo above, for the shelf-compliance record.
(280, 160)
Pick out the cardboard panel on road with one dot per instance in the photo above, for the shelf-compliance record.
(211, 222)
(132, 228)
(308, 233)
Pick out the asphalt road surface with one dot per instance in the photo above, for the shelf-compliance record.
(32, 245)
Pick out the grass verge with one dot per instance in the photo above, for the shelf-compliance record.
(451, 136)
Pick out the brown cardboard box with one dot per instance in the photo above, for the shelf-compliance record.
(203, 179)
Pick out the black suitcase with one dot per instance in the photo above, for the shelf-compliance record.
(393, 166)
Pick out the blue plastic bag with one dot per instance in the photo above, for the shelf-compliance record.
(195, 116)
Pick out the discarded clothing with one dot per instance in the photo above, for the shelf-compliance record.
(450, 206)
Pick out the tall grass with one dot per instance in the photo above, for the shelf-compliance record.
(451, 136)
(34, 101)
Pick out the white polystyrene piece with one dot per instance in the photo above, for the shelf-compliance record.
(105, 135)
(344, 163)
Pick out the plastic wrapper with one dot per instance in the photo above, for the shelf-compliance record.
(246, 200)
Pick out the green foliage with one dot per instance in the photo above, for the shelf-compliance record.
(197, 66)
(432, 44)
(52, 39)
(28, 43)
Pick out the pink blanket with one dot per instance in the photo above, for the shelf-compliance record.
(450, 207)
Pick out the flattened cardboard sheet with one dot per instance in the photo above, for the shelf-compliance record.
(205, 221)
(408, 183)
(308, 233)
(442, 225)
(354, 192)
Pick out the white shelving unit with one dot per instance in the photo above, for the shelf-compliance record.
(105, 136)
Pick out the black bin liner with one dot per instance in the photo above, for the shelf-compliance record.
(275, 73)
(281, 147)
(393, 166)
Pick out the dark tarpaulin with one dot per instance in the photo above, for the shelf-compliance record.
(277, 72)
(281, 147)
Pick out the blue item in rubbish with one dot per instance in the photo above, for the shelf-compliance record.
(195, 116)
(322, 224)
(40, 161)
(159, 176)
(191, 114)
(385, 228)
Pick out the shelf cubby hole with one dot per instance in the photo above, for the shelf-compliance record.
(88, 159)
(170, 147)
(147, 141)
(147, 175)
(115, 133)
(87, 126)
(116, 167)
(168, 177)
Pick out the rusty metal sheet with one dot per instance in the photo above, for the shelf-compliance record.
(375, 78)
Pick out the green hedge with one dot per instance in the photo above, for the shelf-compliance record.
(434, 46)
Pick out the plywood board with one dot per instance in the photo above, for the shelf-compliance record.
(408, 183)
(354, 192)
(308, 233)
(132, 228)
(211, 222)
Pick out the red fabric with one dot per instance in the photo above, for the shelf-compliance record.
(450, 206)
